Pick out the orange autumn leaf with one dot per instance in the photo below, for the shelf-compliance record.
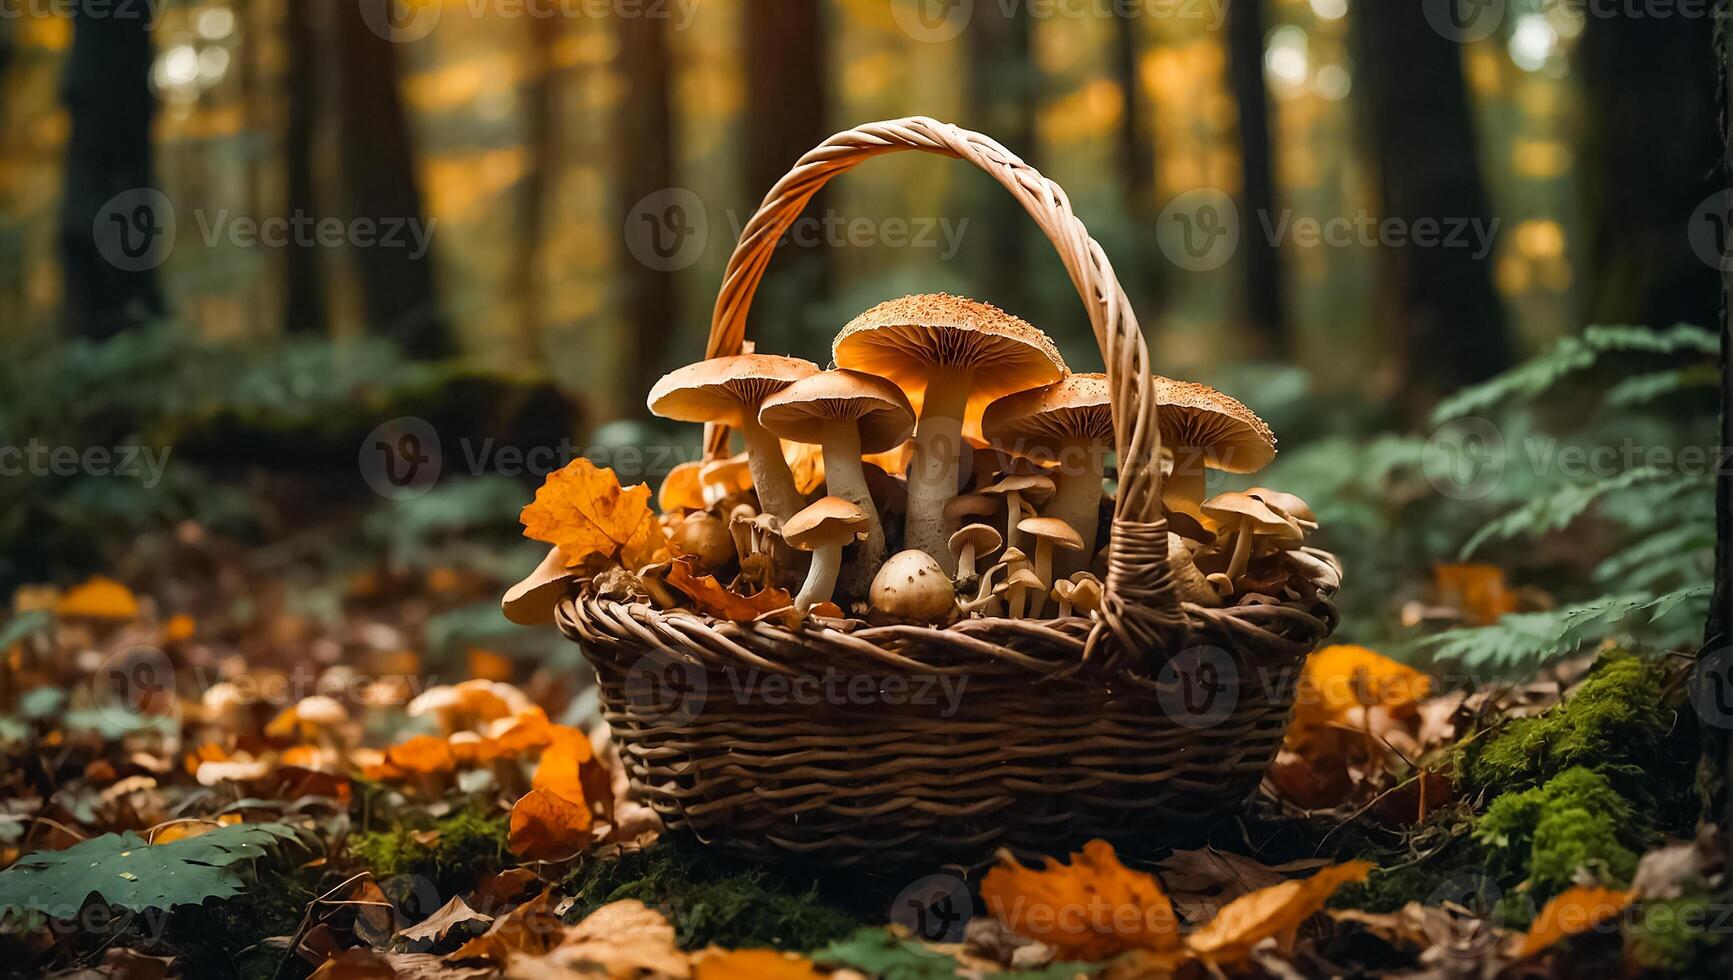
(529, 730)
(1276, 911)
(422, 754)
(570, 770)
(585, 512)
(1339, 679)
(179, 627)
(98, 598)
(1091, 909)
(1480, 591)
(752, 964)
(1573, 911)
(488, 665)
(530, 929)
(681, 488)
(548, 827)
(710, 598)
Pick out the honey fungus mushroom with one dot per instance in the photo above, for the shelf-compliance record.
(730, 390)
(823, 529)
(846, 414)
(1070, 421)
(948, 353)
(1246, 517)
(1206, 429)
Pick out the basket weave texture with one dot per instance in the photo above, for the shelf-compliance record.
(846, 743)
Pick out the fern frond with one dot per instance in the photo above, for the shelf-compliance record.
(1523, 641)
(1641, 389)
(1556, 511)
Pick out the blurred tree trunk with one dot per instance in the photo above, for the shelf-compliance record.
(1716, 634)
(110, 244)
(1263, 292)
(541, 147)
(1646, 154)
(644, 125)
(1004, 87)
(378, 183)
(304, 301)
(1439, 304)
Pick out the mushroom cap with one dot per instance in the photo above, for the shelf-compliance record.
(1287, 503)
(725, 389)
(1231, 436)
(1013, 555)
(704, 537)
(1086, 595)
(880, 409)
(904, 339)
(733, 473)
(911, 585)
(1046, 420)
(829, 520)
(984, 537)
(321, 711)
(682, 489)
(1031, 485)
(970, 505)
(532, 601)
(1231, 506)
(1026, 578)
(1052, 529)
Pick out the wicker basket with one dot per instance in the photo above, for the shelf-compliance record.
(890, 746)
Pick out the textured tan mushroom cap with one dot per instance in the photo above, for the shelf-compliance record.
(725, 389)
(1053, 529)
(828, 521)
(1048, 419)
(1289, 504)
(1230, 435)
(1034, 486)
(881, 410)
(983, 536)
(905, 338)
(910, 585)
(1227, 507)
(531, 602)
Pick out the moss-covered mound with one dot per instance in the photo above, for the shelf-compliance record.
(450, 852)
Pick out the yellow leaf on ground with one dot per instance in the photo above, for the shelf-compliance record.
(1573, 911)
(711, 598)
(99, 598)
(751, 964)
(1091, 909)
(1275, 911)
(583, 509)
(548, 827)
(623, 940)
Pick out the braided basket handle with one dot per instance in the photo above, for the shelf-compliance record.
(1139, 605)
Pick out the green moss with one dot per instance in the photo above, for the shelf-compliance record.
(464, 845)
(713, 900)
(1674, 937)
(1571, 838)
(1453, 856)
(227, 938)
(1576, 819)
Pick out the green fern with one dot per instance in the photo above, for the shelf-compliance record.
(1522, 640)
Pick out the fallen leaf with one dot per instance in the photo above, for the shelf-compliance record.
(569, 769)
(548, 827)
(1273, 912)
(681, 489)
(583, 510)
(1200, 882)
(98, 598)
(751, 964)
(1479, 591)
(710, 598)
(454, 921)
(531, 929)
(359, 963)
(423, 755)
(622, 941)
(1090, 909)
(1572, 912)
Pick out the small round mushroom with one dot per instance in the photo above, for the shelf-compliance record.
(1246, 517)
(532, 601)
(1290, 506)
(1023, 584)
(1061, 593)
(1019, 490)
(705, 538)
(971, 541)
(1071, 422)
(846, 413)
(730, 390)
(681, 489)
(1049, 533)
(945, 352)
(1188, 580)
(913, 587)
(1206, 429)
(1085, 594)
(823, 529)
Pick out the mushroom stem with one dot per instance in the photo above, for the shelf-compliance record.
(1077, 502)
(966, 561)
(1242, 550)
(1013, 514)
(1044, 572)
(933, 470)
(1018, 594)
(770, 474)
(820, 577)
(843, 477)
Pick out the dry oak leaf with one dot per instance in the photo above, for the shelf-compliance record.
(1091, 909)
(709, 597)
(531, 929)
(98, 598)
(622, 941)
(583, 510)
(1572, 911)
(359, 963)
(455, 920)
(1276, 911)
(751, 964)
(548, 827)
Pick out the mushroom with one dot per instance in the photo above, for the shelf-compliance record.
(740, 529)
(532, 601)
(1070, 421)
(315, 718)
(1048, 532)
(1206, 428)
(1289, 505)
(949, 353)
(987, 595)
(970, 541)
(681, 489)
(1085, 594)
(705, 538)
(1031, 487)
(1188, 580)
(846, 413)
(913, 587)
(720, 479)
(823, 529)
(730, 390)
(1023, 583)
(1246, 517)
(1061, 594)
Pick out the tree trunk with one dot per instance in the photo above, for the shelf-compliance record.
(541, 146)
(1004, 86)
(1263, 292)
(1716, 635)
(304, 307)
(379, 184)
(1439, 302)
(1646, 152)
(644, 125)
(113, 221)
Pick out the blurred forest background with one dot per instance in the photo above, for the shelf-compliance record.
(527, 145)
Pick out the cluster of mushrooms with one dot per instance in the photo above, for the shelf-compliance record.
(963, 470)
